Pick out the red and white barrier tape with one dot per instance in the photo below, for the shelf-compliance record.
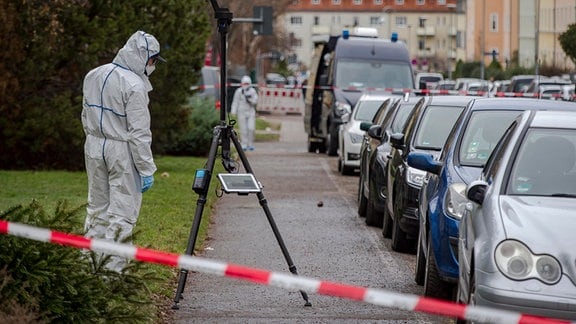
(424, 92)
(282, 280)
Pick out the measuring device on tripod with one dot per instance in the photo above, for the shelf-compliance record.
(240, 183)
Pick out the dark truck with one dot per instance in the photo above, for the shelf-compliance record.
(342, 68)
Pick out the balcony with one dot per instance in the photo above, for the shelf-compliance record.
(426, 53)
(428, 31)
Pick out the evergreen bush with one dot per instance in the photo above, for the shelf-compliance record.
(62, 284)
(202, 119)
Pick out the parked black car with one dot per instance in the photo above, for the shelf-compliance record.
(374, 157)
(426, 130)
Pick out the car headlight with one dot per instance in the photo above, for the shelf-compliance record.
(517, 262)
(455, 200)
(415, 176)
(342, 108)
(356, 138)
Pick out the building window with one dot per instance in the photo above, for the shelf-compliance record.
(374, 20)
(296, 20)
(377, 2)
(494, 22)
(420, 2)
(400, 2)
(315, 2)
(316, 20)
(336, 2)
(441, 2)
(401, 21)
(357, 2)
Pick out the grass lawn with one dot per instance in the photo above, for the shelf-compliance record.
(167, 212)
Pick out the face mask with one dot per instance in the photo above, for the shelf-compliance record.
(245, 86)
(150, 69)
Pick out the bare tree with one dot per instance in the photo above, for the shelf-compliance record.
(243, 45)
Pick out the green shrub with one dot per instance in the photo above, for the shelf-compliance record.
(63, 284)
(201, 121)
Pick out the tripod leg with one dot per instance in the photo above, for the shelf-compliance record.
(264, 204)
(198, 215)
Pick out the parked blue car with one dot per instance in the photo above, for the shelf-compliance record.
(442, 197)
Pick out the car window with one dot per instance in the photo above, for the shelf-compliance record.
(482, 133)
(362, 73)
(545, 163)
(494, 160)
(366, 110)
(435, 125)
(401, 116)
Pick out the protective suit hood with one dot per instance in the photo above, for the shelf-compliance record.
(134, 55)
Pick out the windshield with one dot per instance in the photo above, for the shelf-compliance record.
(435, 125)
(545, 164)
(484, 130)
(366, 109)
(373, 74)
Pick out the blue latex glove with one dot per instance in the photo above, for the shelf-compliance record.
(147, 182)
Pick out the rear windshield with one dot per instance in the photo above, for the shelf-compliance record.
(435, 126)
(372, 74)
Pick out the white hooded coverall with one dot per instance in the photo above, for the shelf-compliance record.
(117, 150)
(244, 106)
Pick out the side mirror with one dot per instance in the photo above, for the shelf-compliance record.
(397, 141)
(365, 126)
(476, 191)
(375, 131)
(425, 162)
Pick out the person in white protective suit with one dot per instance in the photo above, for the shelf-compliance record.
(117, 151)
(244, 106)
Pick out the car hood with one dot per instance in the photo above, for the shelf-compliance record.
(541, 222)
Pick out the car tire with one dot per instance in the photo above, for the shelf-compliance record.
(386, 223)
(400, 242)
(344, 169)
(312, 146)
(332, 142)
(362, 201)
(434, 286)
(420, 268)
(374, 217)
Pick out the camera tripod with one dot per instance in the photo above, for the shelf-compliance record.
(222, 135)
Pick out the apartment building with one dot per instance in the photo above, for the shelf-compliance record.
(428, 27)
(441, 32)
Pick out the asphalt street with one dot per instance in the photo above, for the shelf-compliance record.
(328, 242)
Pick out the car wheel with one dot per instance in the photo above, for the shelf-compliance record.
(400, 242)
(332, 142)
(312, 146)
(374, 217)
(386, 223)
(362, 201)
(434, 286)
(420, 270)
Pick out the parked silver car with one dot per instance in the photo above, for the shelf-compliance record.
(516, 244)
(350, 135)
